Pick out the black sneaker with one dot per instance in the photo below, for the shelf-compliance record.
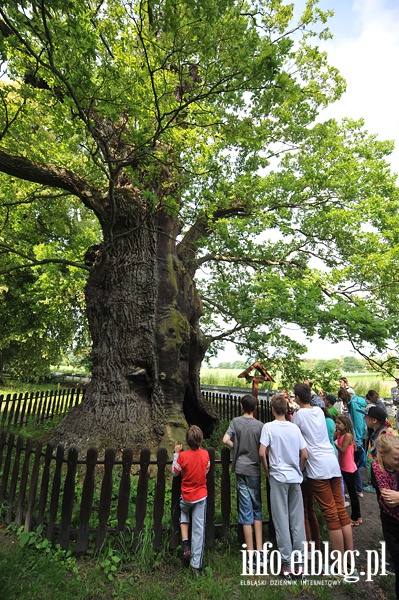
(255, 559)
(389, 568)
(300, 575)
(186, 554)
(286, 574)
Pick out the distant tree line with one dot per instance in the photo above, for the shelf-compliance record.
(346, 364)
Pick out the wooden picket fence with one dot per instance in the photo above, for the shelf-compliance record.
(79, 503)
(17, 409)
(228, 406)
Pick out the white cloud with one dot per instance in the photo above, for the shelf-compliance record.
(367, 57)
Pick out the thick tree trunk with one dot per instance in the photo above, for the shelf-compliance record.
(143, 312)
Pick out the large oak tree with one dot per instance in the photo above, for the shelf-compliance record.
(188, 134)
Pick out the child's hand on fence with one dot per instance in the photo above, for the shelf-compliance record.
(178, 448)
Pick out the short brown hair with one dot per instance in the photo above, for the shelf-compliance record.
(194, 437)
(248, 403)
(279, 403)
(303, 391)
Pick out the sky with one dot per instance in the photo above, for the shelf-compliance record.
(365, 49)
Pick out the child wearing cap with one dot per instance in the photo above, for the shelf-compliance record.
(374, 417)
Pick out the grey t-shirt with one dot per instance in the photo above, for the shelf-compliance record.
(395, 394)
(245, 434)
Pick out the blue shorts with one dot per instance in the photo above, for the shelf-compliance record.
(249, 499)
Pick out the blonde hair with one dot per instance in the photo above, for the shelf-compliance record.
(385, 443)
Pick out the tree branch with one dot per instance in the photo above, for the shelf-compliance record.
(187, 248)
(35, 263)
(373, 363)
(246, 260)
(52, 176)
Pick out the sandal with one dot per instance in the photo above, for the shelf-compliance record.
(360, 520)
(355, 523)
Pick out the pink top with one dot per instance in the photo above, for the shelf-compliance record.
(389, 480)
(346, 459)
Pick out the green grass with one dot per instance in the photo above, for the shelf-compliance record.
(32, 573)
(31, 569)
(362, 382)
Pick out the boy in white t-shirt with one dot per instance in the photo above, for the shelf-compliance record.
(283, 454)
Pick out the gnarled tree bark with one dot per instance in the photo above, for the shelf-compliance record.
(143, 311)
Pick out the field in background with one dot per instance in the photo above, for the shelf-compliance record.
(361, 382)
(229, 378)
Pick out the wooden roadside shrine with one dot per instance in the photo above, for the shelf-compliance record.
(256, 379)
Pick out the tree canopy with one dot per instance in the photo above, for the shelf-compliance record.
(189, 135)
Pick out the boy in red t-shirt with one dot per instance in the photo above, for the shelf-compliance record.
(193, 464)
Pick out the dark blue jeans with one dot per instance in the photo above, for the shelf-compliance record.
(390, 530)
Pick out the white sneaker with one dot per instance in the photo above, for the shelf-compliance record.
(346, 504)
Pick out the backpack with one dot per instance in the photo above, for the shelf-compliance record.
(360, 456)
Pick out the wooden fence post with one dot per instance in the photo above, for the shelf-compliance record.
(210, 509)
(105, 497)
(68, 498)
(142, 496)
(24, 408)
(55, 493)
(14, 479)
(86, 503)
(175, 513)
(18, 401)
(124, 489)
(23, 482)
(159, 498)
(3, 442)
(40, 407)
(29, 406)
(33, 486)
(36, 404)
(43, 410)
(7, 465)
(13, 401)
(225, 491)
(59, 401)
(4, 409)
(48, 455)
